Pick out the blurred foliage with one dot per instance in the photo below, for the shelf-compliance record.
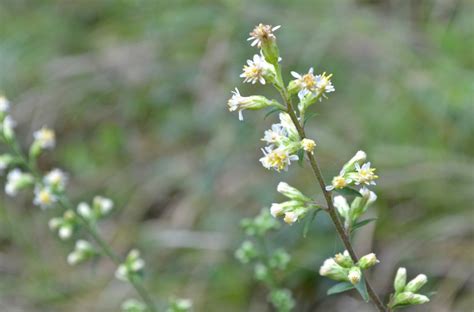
(137, 92)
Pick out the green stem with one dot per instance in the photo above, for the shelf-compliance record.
(66, 204)
(327, 194)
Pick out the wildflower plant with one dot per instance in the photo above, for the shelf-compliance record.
(286, 142)
(79, 222)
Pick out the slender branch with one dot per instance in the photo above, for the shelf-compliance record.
(66, 204)
(327, 194)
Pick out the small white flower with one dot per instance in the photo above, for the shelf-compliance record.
(257, 70)
(65, 232)
(56, 179)
(104, 205)
(84, 210)
(83, 250)
(290, 217)
(308, 145)
(307, 83)
(55, 223)
(324, 84)
(354, 275)
(122, 273)
(276, 210)
(365, 174)
(278, 159)
(73, 258)
(274, 134)
(7, 127)
(45, 138)
(262, 33)
(16, 180)
(338, 182)
(4, 104)
(44, 197)
(341, 205)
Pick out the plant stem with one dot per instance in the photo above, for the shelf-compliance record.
(67, 205)
(327, 194)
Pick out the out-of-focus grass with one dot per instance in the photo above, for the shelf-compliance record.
(137, 93)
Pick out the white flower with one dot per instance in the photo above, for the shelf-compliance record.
(257, 70)
(324, 84)
(291, 217)
(56, 179)
(262, 33)
(276, 210)
(274, 134)
(338, 182)
(278, 159)
(84, 210)
(45, 138)
(65, 231)
(365, 174)
(240, 103)
(308, 145)
(354, 275)
(104, 205)
(44, 197)
(4, 104)
(82, 251)
(306, 83)
(341, 205)
(122, 273)
(7, 127)
(16, 180)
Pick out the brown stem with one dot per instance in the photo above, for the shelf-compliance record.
(327, 195)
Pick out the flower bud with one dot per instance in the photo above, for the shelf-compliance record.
(359, 157)
(400, 280)
(344, 259)
(254, 102)
(354, 275)
(415, 284)
(342, 206)
(368, 261)
(291, 217)
(419, 299)
(7, 127)
(291, 192)
(308, 145)
(360, 204)
(333, 270)
(276, 210)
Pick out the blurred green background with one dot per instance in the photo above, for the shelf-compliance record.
(137, 93)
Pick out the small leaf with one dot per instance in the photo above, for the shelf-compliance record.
(308, 117)
(309, 221)
(349, 192)
(300, 157)
(339, 288)
(273, 110)
(362, 223)
(362, 290)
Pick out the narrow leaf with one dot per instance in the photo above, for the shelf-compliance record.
(273, 110)
(339, 288)
(362, 223)
(309, 221)
(362, 290)
(348, 192)
(308, 117)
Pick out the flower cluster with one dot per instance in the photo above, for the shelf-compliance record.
(83, 250)
(407, 293)
(342, 268)
(354, 172)
(286, 142)
(296, 207)
(132, 267)
(64, 225)
(101, 206)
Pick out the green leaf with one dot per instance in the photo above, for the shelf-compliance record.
(362, 223)
(348, 192)
(308, 117)
(309, 221)
(339, 288)
(362, 290)
(273, 110)
(300, 157)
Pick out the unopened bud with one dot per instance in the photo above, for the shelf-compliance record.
(400, 280)
(344, 259)
(354, 275)
(359, 157)
(415, 284)
(291, 192)
(368, 261)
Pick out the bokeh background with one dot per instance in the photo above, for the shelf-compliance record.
(137, 92)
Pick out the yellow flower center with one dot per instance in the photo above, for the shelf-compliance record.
(308, 81)
(45, 197)
(277, 160)
(339, 182)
